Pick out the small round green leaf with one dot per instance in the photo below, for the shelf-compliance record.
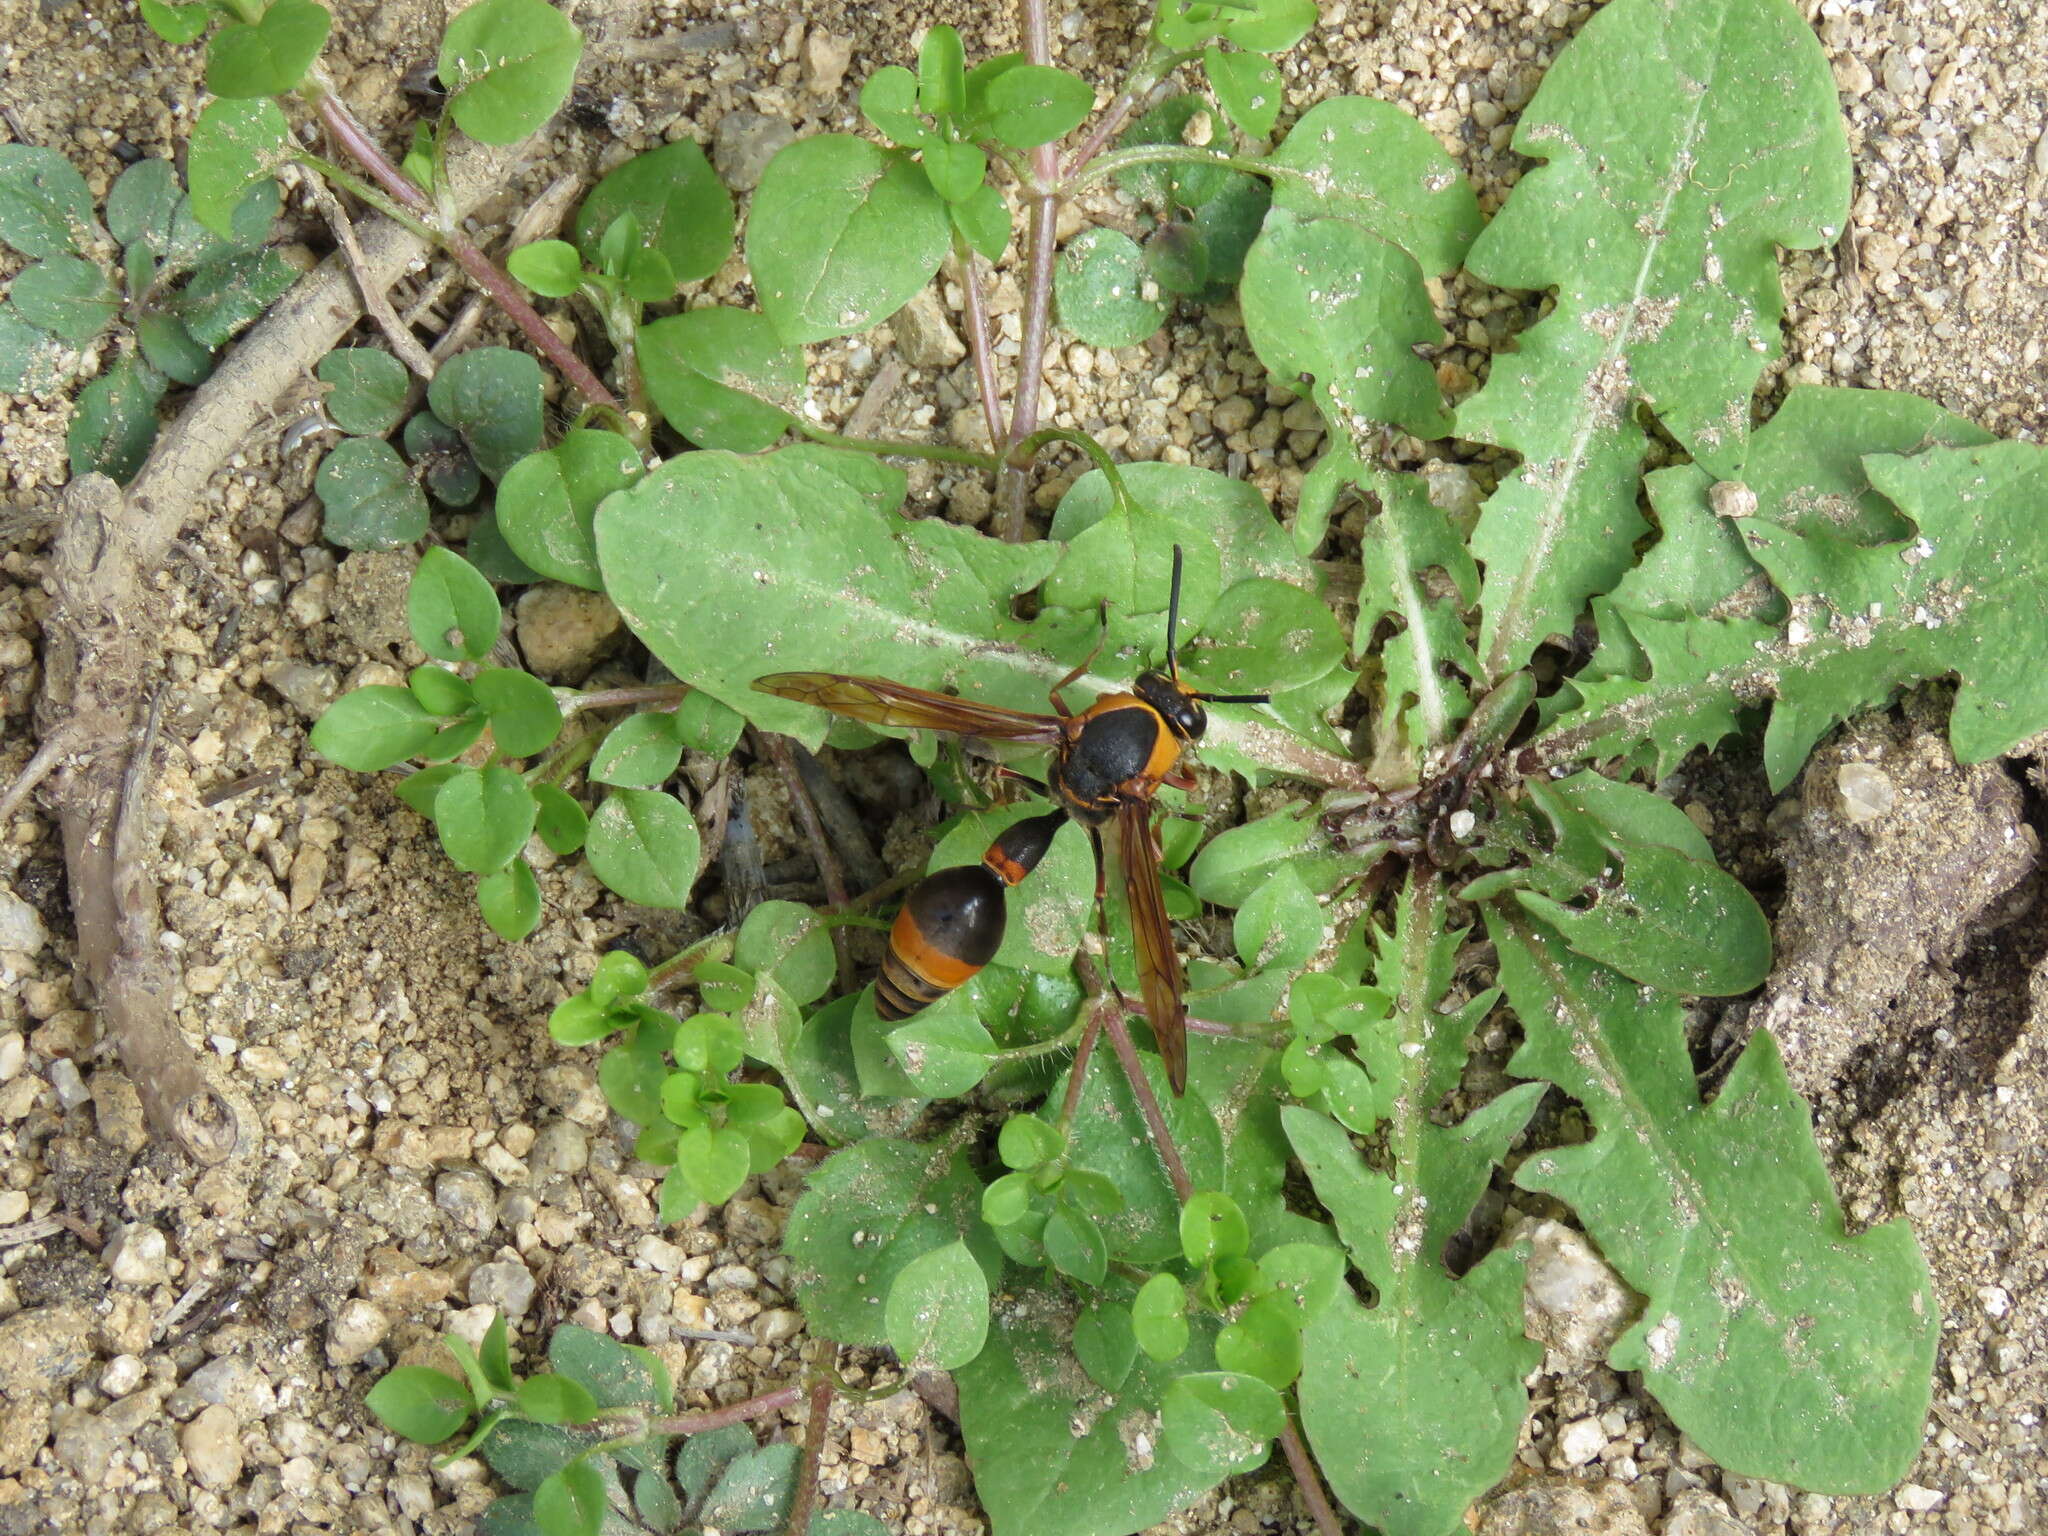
(366, 389)
(555, 1399)
(115, 420)
(418, 789)
(484, 817)
(142, 203)
(579, 1021)
(722, 377)
(944, 1050)
(172, 349)
(269, 56)
(450, 607)
(683, 211)
(419, 1403)
(508, 65)
(233, 144)
(645, 845)
(618, 975)
(547, 500)
(524, 716)
(176, 24)
(1074, 1242)
(45, 205)
(1105, 1344)
(491, 395)
(983, 219)
(1025, 1141)
(369, 499)
(371, 729)
(1261, 26)
(955, 170)
(561, 821)
(942, 72)
(571, 1502)
(1219, 1423)
(510, 901)
(440, 691)
(1006, 1201)
(67, 296)
(551, 268)
(1106, 296)
(937, 1312)
(715, 1160)
(1212, 1227)
(1159, 1317)
(442, 460)
(704, 725)
(1264, 1341)
(842, 234)
(889, 102)
(455, 739)
(1034, 104)
(640, 752)
(1247, 87)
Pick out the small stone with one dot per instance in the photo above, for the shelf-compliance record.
(1571, 1301)
(21, 926)
(13, 1054)
(560, 1147)
(754, 1222)
(137, 1254)
(867, 1446)
(507, 1285)
(124, 1373)
(1731, 498)
(1233, 414)
(564, 631)
(923, 336)
(358, 1328)
(1996, 1300)
(233, 1382)
(213, 1447)
(1561, 1506)
(744, 143)
(1696, 1512)
(24, 1428)
(1918, 1499)
(1580, 1442)
(83, 1442)
(826, 57)
(308, 689)
(778, 1325)
(1867, 793)
(467, 1195)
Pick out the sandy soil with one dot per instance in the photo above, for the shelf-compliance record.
(418, 1149)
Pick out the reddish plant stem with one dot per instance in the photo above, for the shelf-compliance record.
(1042, 220)
(1077, 1074)
(806, 1499)
(978, 341)
(1113, 117)
(718, 1418)
(353, 137)
(1307, 1481)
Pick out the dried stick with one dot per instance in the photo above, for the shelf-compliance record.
(404, 345)
(1042, 224)
(829, 868)
(815, 1423)
(978, 345)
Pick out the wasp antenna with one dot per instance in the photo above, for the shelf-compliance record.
(1173, 621)
(1235, 698)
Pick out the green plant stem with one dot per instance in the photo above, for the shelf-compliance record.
(360, 189)
(884, 447)
(1023, 453)
(1176, 154)
(815, 1423)
(978, 347)
(564, 759)
(1041, 220)
(718, 1418)
(1154, 67)
(1071, 1035)
(678, 966)
(318, 90)
(660, 696)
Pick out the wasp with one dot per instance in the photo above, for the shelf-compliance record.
(1108, 763)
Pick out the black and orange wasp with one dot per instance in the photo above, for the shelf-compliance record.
(1108, 763)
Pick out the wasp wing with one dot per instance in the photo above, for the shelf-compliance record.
(1159, 973)
(878, 701)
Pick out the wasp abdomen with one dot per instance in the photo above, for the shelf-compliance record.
(952, 922)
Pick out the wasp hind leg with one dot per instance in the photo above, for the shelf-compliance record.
(1059, 705)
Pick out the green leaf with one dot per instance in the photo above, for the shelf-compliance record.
(371, 729)
(369, 499)
(484, 817)
(366, 390)
(755, 1490)
(571, 1502)
(1241, 859)
(645, 845)
(682, 208)
(1105, 296)
(867, 1213)
(714, 1161)
(705, 725)
(1661, 240)
(722, 377)
(889, 102)
(142, 203)
(1327, 301)
(561, 822)
(1159, 1317)
(1784, 1347)
(451, 610)
(983, 219)
(233, 144)
(942, 72)
(640, 752)
(1263, 635)
(704, 1458)
(30, 358)
(508, 65)
(944, 1050)
(1369, 162)
(1052, 1454)
(442, 459)
(525, 719)
(171, 349)
(440, 691)
(1220, 1423)
(227, 294)
(176, 24)
(551, 268)
(491, 395)
(1212, 1227)
(1025, 1141)
(555, 1399)
(955, 170)
(115, 421)
(269, 56)
(69, 297)
(787, 941)
(1075, 1245)
(546, 501)
(1035, 104)
(45, 205)
(1260, 26)
(938, 1309)
(841, 234)
(1247, 88)
(1105, 1344)
(1264, 1341)
(419, 1403)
